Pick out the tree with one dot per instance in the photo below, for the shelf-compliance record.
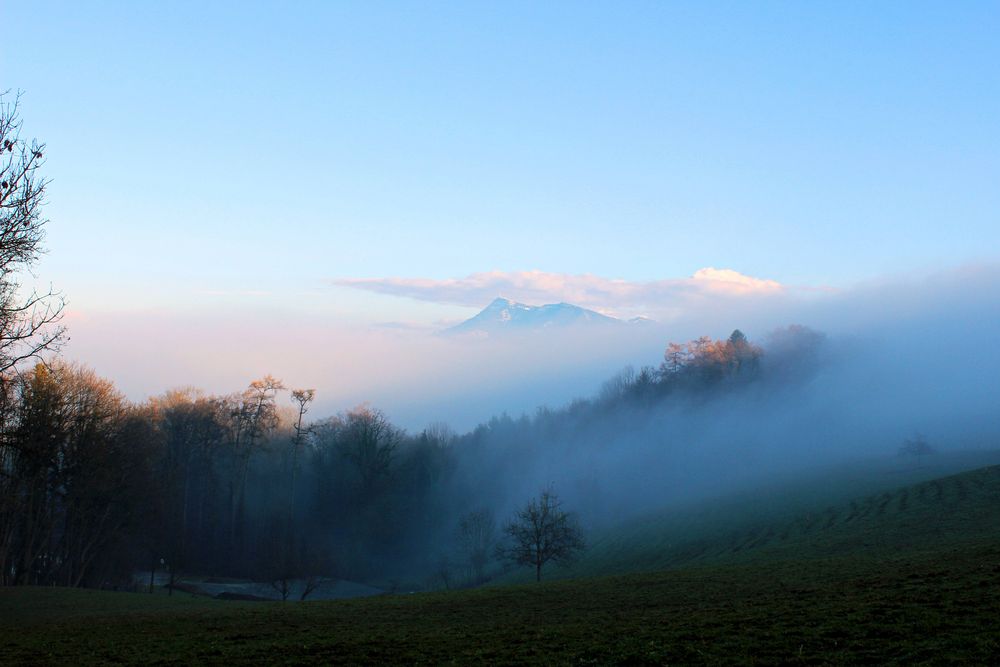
(743, 356)
(704, 363)
(189, 433)
(477, 539)
(74, 480)
(302, 398)
(253, 414)
(541, 532)
(290, 557)
(916, 447)
(289, 564)
(369, 442)
(28, 323)
(674, 359)
(618, 386)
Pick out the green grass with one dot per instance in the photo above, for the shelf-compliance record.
(821, 519)
(907, 577)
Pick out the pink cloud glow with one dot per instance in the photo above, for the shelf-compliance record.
(608, 295)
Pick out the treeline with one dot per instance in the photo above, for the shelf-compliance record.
(94, 488)
(638, 443)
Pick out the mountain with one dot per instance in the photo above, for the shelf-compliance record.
(504, 315)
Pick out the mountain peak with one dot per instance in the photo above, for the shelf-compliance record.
(505, 315)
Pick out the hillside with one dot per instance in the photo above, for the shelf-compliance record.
(865, 509)
(899, 577)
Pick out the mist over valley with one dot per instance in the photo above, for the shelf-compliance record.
(552, 333)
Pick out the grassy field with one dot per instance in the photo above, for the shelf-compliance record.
(905, 576)
(883, 509)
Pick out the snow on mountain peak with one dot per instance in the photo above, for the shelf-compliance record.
(504, 315)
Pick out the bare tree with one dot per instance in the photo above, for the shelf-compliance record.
(294, 562)
(370, 442)
(28, 322)
(281, 563)
(253, 414)
(439, 434)
(293, 567)
(477, 540)
(442, 572)
(541, 532)
(301, 397)
(618, 386)
(189, 432)
(916, 447)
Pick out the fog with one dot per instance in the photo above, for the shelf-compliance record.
(927, 334)
(843, 377)
(897, 358)
(226, 483)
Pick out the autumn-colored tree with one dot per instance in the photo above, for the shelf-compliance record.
(74, 481)
(704, 361)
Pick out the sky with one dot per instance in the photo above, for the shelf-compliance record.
(219, 170)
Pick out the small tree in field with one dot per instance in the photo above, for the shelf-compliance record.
(541, 532)
(916, 447)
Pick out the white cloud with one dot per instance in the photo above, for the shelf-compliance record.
(608, 295)
(733, 282)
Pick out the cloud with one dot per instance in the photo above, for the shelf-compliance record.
(418, 378)
(607, 295)
(733, 282)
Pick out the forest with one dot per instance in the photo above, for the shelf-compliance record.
(96, 488)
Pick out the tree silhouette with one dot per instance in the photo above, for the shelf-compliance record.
(540, 533)
(28, 322)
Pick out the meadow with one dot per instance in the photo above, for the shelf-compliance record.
(909, 575)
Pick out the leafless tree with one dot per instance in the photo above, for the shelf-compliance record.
(916, 447)
(616, 387)
(291, 564)
(28, 321)
(477, 540)
(541, 532)
(313, 582)
(189, 431)
(302, 398)
(439, 434)
(253, 414)
(442, 572)
(370, 441)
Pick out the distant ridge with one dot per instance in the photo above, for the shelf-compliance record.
(503, 316)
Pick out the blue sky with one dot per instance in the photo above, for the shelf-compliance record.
(247, 145)
(240, 156)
